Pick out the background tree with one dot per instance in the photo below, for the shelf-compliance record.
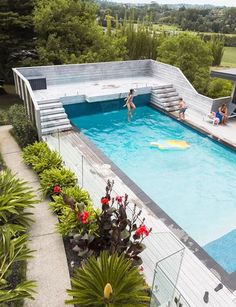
(189, 53)
(219, 88)
(16, 35)
(68, 33)
(217, 48)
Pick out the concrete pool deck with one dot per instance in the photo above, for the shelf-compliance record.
(93, 171)
(119, 87)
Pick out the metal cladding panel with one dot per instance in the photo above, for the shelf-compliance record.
(38, 83)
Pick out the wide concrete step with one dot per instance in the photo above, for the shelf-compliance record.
(47, 101)
(56, 129)
(55, 116)
(166, 108)
(166, 99)
(166, 104)
(55, 123)
(163, 91)
(46, 106)
(163, 86)
(52, 111)
(167, 95)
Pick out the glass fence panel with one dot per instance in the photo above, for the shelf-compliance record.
(163, 256)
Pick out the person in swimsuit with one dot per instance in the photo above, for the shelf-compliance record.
(222, 114)
(129, 104)
(182, 108)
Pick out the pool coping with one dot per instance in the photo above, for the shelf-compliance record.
(229, 280)
(196, 128)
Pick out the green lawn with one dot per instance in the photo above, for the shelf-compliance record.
(229, 57)
(8, 98)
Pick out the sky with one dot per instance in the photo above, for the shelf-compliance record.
(212, 2)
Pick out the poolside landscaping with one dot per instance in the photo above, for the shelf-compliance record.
(90, 235)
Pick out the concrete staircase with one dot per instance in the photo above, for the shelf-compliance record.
(165, 97)
(53, 116)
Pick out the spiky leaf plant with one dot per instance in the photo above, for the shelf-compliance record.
(108, 281)
(56, 177)
(40, 157)
(15, 197)
(13, 250)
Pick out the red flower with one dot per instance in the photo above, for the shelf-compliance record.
(142, 230)
(105, 201)
(141, 269)
(56, 189)
(82, 216)
(119, 199)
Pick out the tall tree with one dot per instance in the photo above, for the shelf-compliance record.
(16, 35)
(68, 33)
(189, 53)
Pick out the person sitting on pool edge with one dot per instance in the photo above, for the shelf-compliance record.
(129, 104)
(182, 108)
(222, 114)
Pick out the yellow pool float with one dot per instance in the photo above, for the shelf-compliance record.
(171, 144)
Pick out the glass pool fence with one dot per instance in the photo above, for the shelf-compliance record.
(163, 256)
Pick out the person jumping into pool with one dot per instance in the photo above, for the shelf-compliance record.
(182, 108)
(129, 104)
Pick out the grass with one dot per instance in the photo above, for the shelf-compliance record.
(8, 97)
(229, 57)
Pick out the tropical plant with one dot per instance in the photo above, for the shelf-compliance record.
(40, 157)
(23, 130)
(15, 197)
(13, 250)
(219, 88)
(108, 281)
(76, 193)
(115, 231)
(62, 177)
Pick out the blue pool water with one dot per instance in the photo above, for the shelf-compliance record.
(195, 187)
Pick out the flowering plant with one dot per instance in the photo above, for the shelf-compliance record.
(56, 189)
(118, 232)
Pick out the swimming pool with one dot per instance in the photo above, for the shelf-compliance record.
(196, 187)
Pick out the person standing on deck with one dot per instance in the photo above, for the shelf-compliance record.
(182, 108)
(129, 104)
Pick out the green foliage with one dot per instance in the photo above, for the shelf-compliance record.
(23, 130)
(13, 250)
(90, 283)
(56, 177)
(40, 157)
(69, 204)
(15, 198)
(219, 88)
(68, 33)
(217, 49)
(71, 224)
(79, 196)
(3, 118)
(16, 35)
(190, 54)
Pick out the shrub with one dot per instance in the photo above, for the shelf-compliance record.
(115, 231)
(23, 130)
(15, 197)
(4, 118)
(56, 177)
(40, 157)
(13, 250)
(76, 193)
(219, 88)
(108, 281)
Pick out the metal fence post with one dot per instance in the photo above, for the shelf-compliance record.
(82, 170)
(59, 144)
